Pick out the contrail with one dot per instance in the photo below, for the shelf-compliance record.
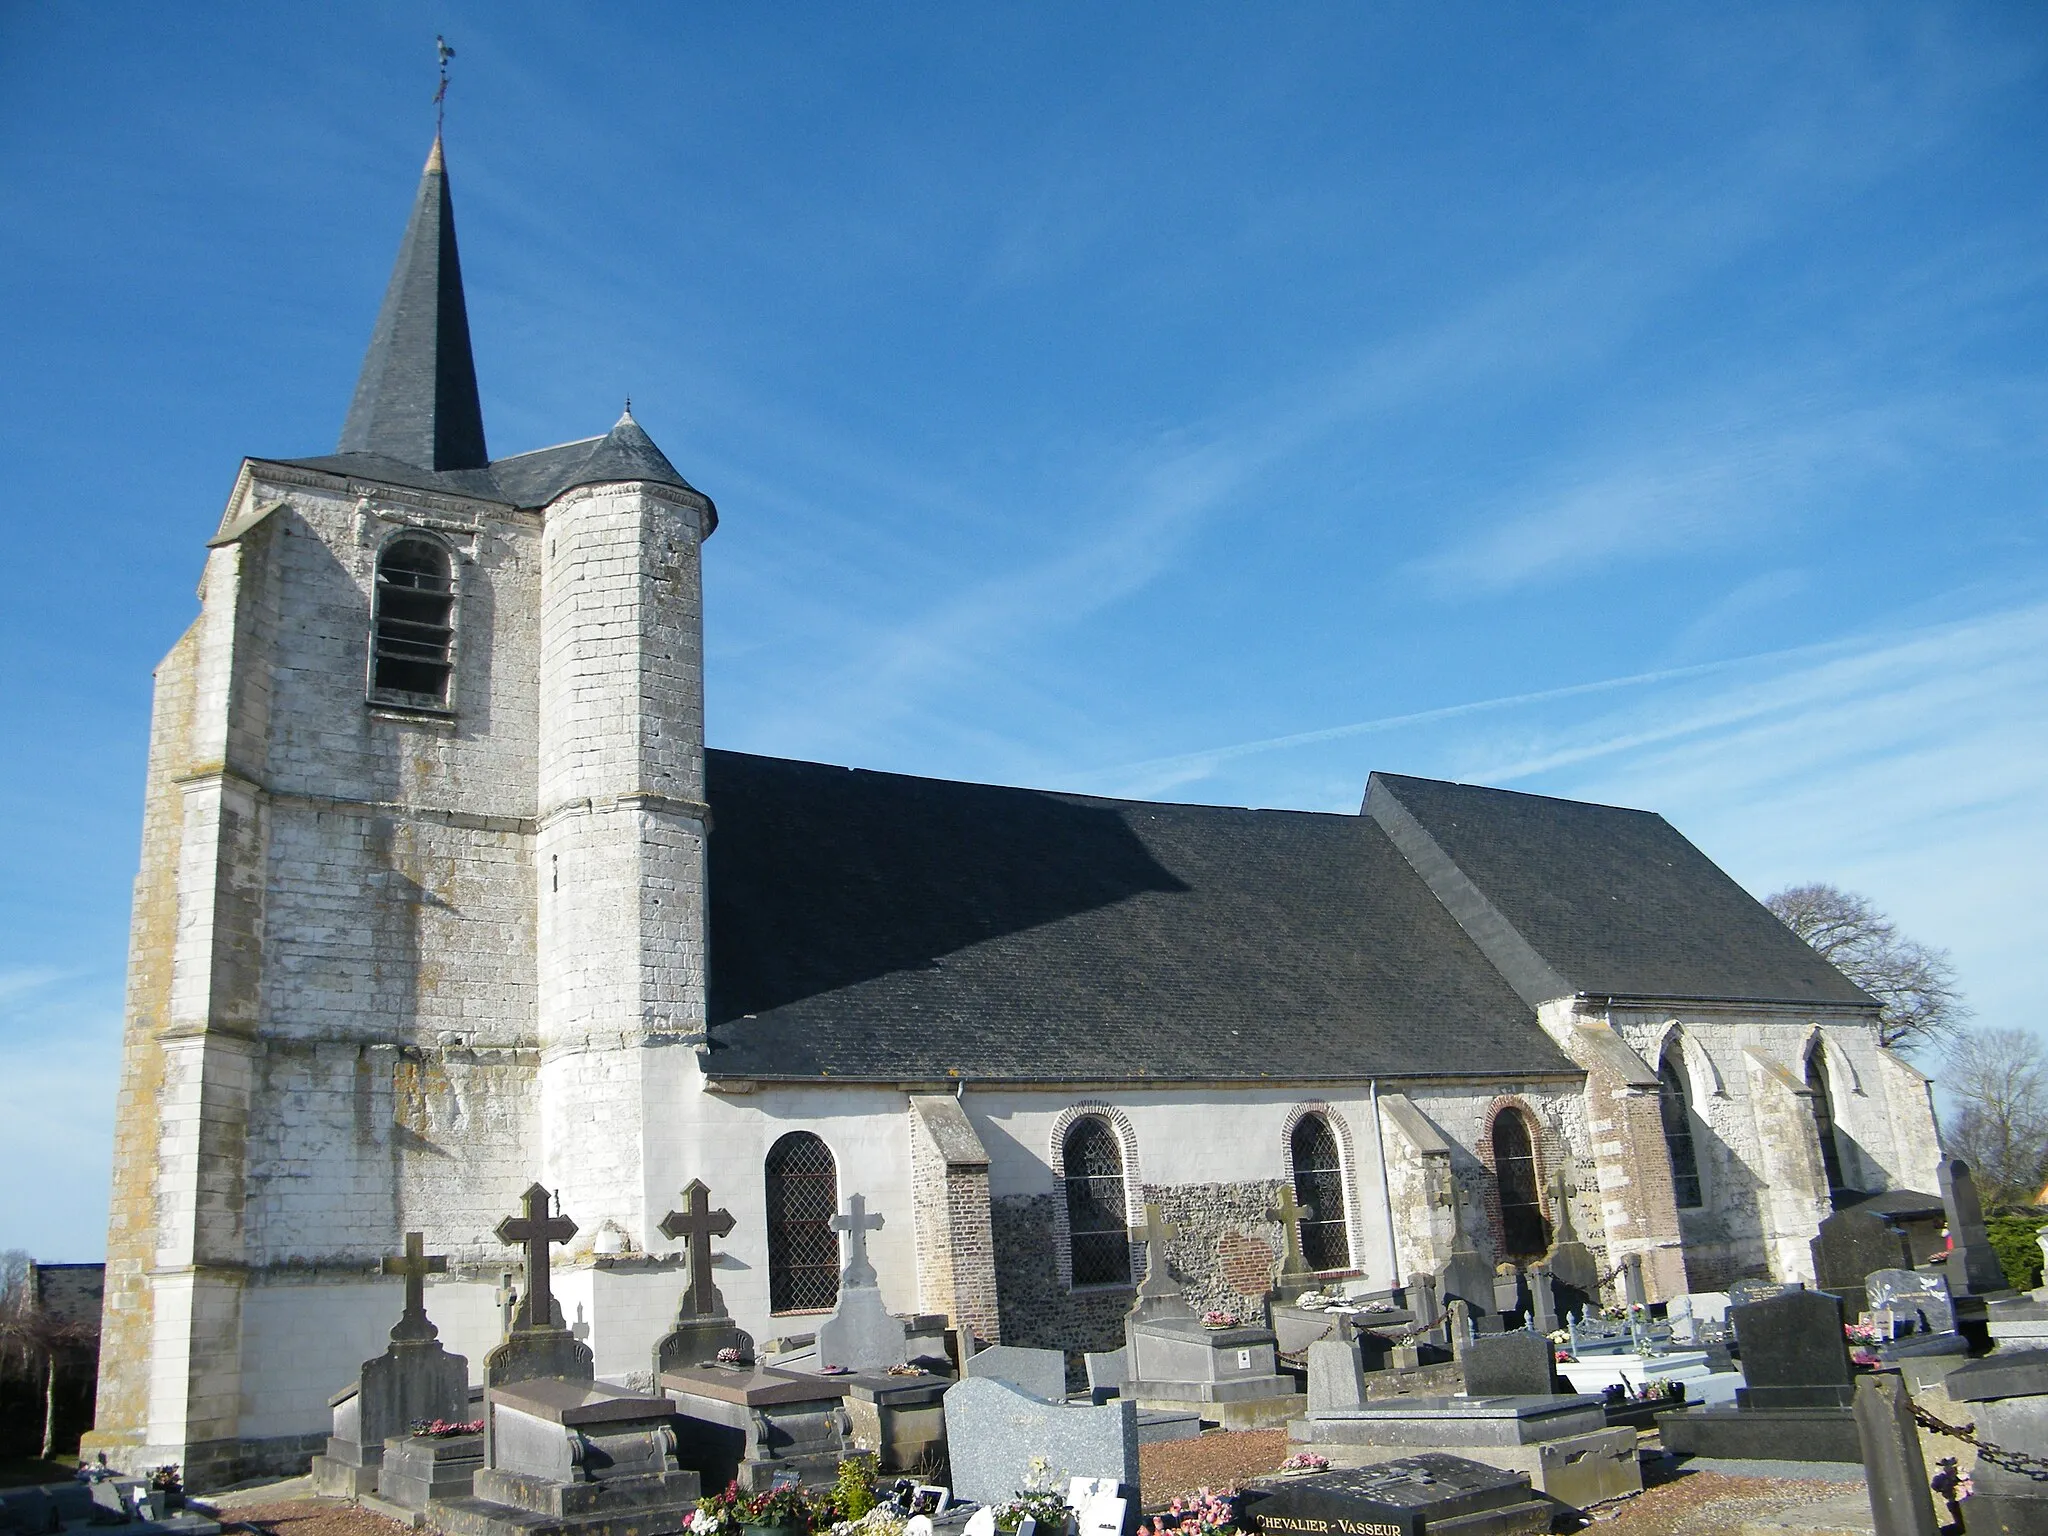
(1477, 706)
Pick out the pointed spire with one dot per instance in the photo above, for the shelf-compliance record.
(416, 399)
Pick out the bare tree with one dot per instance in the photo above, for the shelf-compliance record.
(1998, 1080)
(1915, 983)
(34, 1341)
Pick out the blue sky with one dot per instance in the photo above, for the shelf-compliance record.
(1209, 402)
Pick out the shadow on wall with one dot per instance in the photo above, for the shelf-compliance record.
(824, 877)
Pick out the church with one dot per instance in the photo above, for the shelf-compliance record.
(442, 893)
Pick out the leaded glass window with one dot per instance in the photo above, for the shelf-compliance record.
(1096, 1224)
(803, 1250)
(1319, 1191)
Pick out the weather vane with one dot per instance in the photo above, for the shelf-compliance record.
(445, 53)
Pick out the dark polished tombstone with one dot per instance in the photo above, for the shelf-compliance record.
(1911, 1298)
(1901, 1504)
(1875, 1233)
(1800, 1385)
(1409, 1496)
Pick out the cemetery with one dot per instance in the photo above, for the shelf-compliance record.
(715, 1143)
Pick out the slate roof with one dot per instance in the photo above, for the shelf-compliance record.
(530, 479)
(416, 419)
(871, 925)
(1612, 902)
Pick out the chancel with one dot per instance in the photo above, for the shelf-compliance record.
(441, 888)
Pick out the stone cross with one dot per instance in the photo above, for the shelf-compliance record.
(699, 1223)
(1155, 1235)
(856, 1224)
(507, 1297)
(1289, 1213)
(536, 1229)
(1542, 1300)
(415, 1264)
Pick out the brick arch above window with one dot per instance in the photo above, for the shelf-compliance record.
(1126, 1138)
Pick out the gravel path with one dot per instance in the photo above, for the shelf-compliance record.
(310, 1517)
(1215, 1460)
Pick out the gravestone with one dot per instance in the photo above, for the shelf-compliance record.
(1745, 1293)
(702, 1327)
(1972, 1268)
(1466, 1276)
(1901, 1503)
(1107, 1372)
(1510, 1365)
(1918, 1303)
(1697, 1316)
(561, 1451)
(1852, 1243)
(1800, 1384)
(994, 1432)
(1041, 1372)
(1295, 1274)
(415, 1378)
(1178, 1363)
(1458, 1324)
(1407, 1496)
(861, 1334)
(1573, 1268)
(1542, 1300)
(1336, 1375)
(2008, 1398)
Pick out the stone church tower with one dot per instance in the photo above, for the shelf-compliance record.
(420, 913)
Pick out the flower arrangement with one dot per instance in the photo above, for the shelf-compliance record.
(1866, 1333)
(1205, 1514)
(446, 1429)
(165, 1479)
(1310, 1301)
(906, 1370)
(1305, 1461)
(731, 1355)
(1038, 1500)
(1218, 1318)
(725, 1513)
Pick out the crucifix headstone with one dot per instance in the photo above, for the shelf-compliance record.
(1155, 1235)
(415, 1378)
(415, 1264)
(702, 1329)
(1542, 1300)
(853, 1225)
(697, 1223)
(536, 1229)
(1295, 1275)
(861, 1332)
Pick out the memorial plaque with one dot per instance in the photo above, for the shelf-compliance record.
(1401, 1498)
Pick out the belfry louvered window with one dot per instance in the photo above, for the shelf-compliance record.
(803, 1249)
(1319, 1191)
(412, 641)
(1097, 1228)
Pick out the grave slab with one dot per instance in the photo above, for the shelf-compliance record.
(420, 1468)
(1408, 1496)
(747, 1423)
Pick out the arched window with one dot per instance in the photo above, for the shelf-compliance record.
(1319, 1191)
(1824, 1118)
(1676, 1110)
(1524, 1233)
(803, 1250)
(1096, 1225)
(413, 629)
